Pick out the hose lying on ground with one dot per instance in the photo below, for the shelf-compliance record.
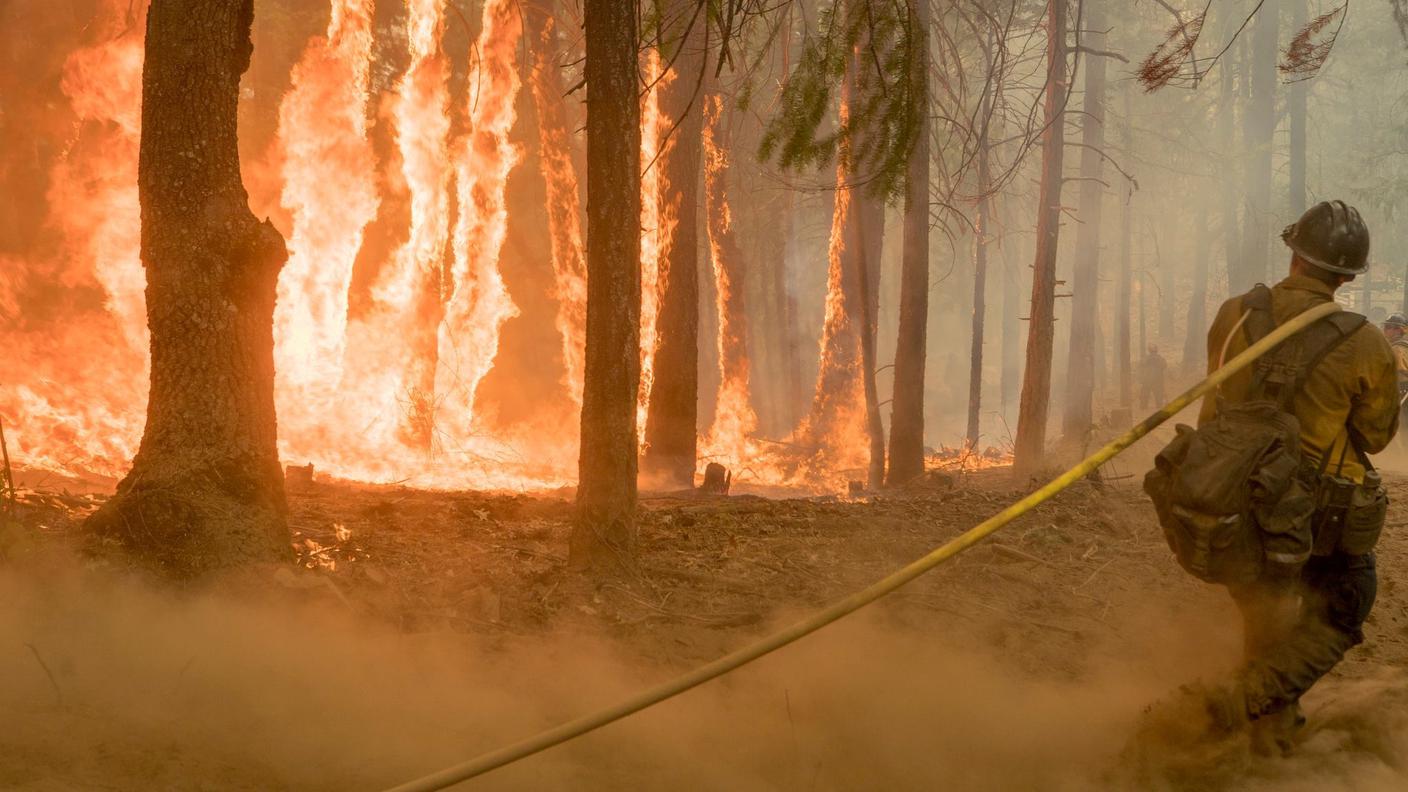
(698, 676)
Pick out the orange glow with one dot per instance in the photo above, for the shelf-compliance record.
(67, 404)
(386, 391)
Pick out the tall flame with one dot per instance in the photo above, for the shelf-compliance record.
(834, 430)
(656, 222)
(478, 303)
(729, 440)
(402, 327)
(569, 266)
(329, 188)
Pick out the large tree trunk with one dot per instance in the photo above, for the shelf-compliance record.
(1259, 128)
(604, 531)
(205, 489)
(1036, 382)
(1085, 300)
(671, 417)
(907, 416)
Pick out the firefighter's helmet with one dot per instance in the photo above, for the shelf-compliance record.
(1332, 236)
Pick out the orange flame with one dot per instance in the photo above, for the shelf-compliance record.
(730, 439)
(74, 409)
(564, 211)
(656, 222)
(834, 430)
(478, 302)
(330, 190)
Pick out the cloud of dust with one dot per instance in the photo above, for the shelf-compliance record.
(232, 690)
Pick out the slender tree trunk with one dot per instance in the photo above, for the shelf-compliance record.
(1036, 382)
(868, 217)
(1123, 353)
(1259, 127)
(907, 416)
(980, 282)
(670, 428)
(1085, 300)
(205, 489)
(1167, 285)
(1012, 280)
(1296, 101)
(604, 531)
(1194, 339)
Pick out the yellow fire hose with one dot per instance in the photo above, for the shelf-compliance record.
(576, 728)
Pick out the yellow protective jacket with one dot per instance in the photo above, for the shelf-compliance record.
(1400, 353)
(1355, 386)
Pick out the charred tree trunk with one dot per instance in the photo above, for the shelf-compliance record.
(604, 530)
(1036, 382)
(868, 219)
(907, 415)
(1085, 300)
(205, 489)
(672, 414)
(1123, 354)
(1259, 127)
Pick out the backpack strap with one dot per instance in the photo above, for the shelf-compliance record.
(1259, 322)
(1282, 374)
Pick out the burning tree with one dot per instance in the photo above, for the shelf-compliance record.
(205, 488)
(604, 532)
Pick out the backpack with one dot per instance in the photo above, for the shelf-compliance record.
(1233, 495)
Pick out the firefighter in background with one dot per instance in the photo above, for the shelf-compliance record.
(1302, 615)
(1396, 331)
(1153, 370)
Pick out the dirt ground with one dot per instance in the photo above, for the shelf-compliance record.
(425, 627)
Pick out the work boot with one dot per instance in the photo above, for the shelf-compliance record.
(1226, 709)
(1196, 714)
(1274, 734)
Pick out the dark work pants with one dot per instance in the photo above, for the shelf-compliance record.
(1289, 649)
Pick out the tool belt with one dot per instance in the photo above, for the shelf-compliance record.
(1349, 515)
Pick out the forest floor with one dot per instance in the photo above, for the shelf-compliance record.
(422, 628)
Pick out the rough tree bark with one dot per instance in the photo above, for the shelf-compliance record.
(670, 426)
(1030, 447)
(205, 490)
(907, 415)
(604, 529)
(1085, 300)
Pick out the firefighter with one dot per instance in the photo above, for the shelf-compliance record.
(1152, 372)
(1302, 618)
(1396, 331)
